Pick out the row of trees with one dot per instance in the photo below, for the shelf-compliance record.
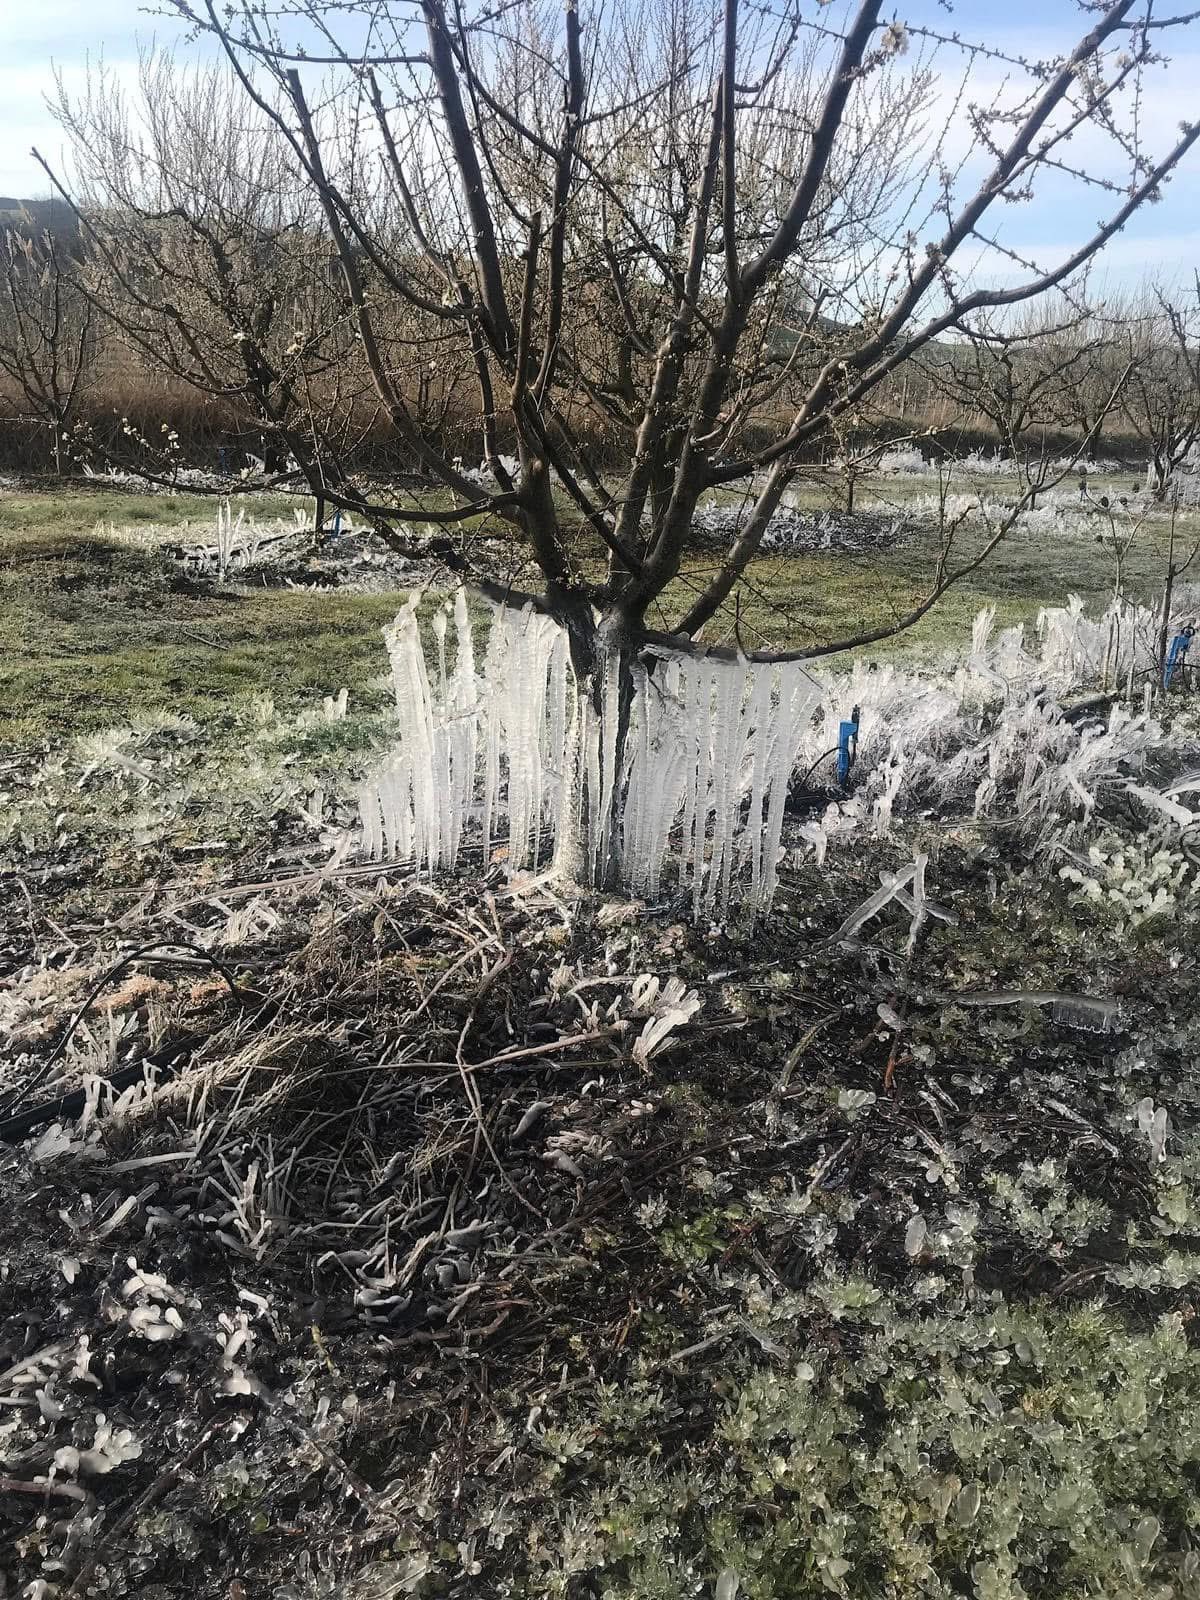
(123, 293)
(1133, 363)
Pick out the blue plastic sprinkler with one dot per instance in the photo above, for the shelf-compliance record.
(337, 523)
(1177, 654)
(847, 747)
(222, 460)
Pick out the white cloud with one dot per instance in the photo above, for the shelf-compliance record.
(39, 36)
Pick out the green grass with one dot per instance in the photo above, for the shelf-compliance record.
(92, 631)
(82, 509)
(814, 600)
(95, 629)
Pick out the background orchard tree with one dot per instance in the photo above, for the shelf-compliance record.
(1162, 399)
(1101, 363)
(208, 262)
(47, 340)
(1018, 372)
(722, 228)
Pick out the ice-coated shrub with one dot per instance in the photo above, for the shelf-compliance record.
(905, 462)
(1133, 880)
(1078, 651)
(995, 1452)
(1057, 512)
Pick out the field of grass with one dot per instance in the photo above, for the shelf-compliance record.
(91, 633)
(81, 509)
(94, 628)
(790, 601)
(818, 599)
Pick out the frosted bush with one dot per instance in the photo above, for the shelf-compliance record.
(1056, 513)
(1134, 881)
(1076, 650)
(904, 463)
(793, 527)
(1021, 761)
(986, 737)
(483, 474)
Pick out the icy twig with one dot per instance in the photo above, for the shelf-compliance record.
(1073, 1010)
(874, 904)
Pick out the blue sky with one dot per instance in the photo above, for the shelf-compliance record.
(1164, 238)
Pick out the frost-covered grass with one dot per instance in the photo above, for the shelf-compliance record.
(95, 629)
(93, 632)
(134, 793)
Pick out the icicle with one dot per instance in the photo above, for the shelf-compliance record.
(610, 720)
(726, 742)
(368, 810)
(761, 731)
(918, 902)
(1161, 802)
(709, 753)
(702, 727)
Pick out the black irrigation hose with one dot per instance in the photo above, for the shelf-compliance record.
(114, 971)
(832, 751)
(22, 1123)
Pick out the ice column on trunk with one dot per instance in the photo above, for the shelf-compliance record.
(700, 769)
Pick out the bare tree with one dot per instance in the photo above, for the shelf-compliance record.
(46, 344)
(207, 259)
(721, 229)
(1162, 399)
(1098, 348)
(1019, 372)
(1120, 522)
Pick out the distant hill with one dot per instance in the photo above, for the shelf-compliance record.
(30, 217)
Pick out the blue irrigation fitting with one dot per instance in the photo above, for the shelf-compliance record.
(847, 747)
(1176, 655)
(222, 460)
(337, 523)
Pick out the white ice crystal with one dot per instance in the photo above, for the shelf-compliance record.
(667, 1010)
(520, 751)
(110, 1448)
(708, 756)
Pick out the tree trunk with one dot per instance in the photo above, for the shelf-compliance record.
(1164, 630)
(588, 834)
(1160, 469)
